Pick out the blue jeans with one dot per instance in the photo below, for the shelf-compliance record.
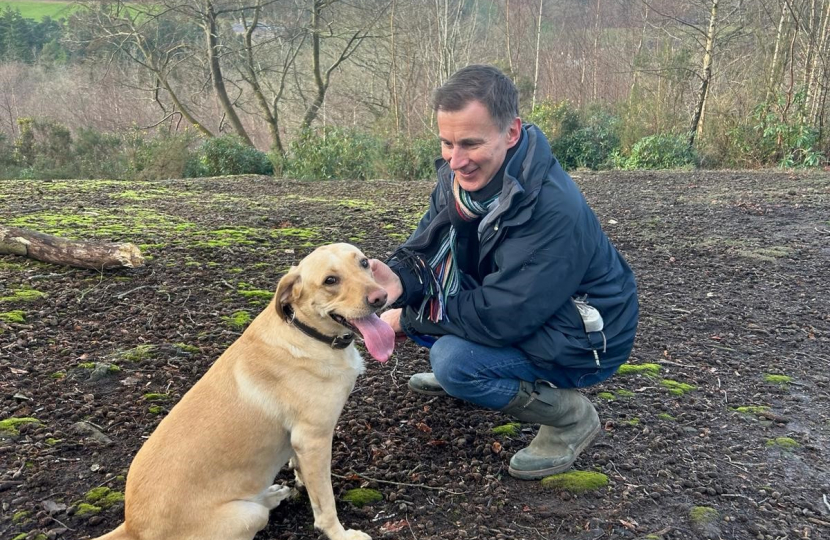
(489, 376)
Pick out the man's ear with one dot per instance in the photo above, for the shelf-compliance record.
(288, 290)
(514, 132)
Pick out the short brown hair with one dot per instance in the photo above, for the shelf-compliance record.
(486, 84)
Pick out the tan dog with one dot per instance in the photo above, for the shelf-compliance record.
(206, 472)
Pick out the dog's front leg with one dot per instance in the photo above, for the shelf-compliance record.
(312, 447)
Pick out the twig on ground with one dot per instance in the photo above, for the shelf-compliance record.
(827, 504)
(818, 521)
(123, 294)
(534, 529)
(421, 486)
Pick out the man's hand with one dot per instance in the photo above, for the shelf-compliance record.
(390, 281)
(392, 317)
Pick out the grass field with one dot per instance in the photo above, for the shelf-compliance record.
(33, 9)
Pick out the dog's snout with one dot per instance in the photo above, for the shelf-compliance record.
(377, 299)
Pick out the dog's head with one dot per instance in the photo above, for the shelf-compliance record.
(332, 289)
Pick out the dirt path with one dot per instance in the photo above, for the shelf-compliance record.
(725, 436)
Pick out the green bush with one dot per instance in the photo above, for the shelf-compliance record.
(99, 155)
(331, 153)
(577, 141)
(659, 152)
(228, 155)
(162, 157)
(785, 136)
(411, 159)
(556, 120)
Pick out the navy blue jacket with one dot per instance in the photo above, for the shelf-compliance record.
(540, 247)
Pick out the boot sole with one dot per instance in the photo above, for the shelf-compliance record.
(541, 473)
(427, 392)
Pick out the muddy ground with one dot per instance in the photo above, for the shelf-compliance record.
(735, 287)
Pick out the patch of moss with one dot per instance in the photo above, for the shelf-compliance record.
(139, 353)
(781, 380)
(649, 370)
(21, 536)
(23, 295)
(15, 316)
(785, 443)
(507, 430)
(259, 295)
(667, 417)
(576, 481)
(52, 441)
(703, 515)
(625, 393)
(86, 509)
(21, 516)
(633, 421)
(238, 319)
(677, 388)
(58, 375)
(103, 497)
(360, 497)
(751, 409)
(607, 395)
(184, 347)
(155, 409)
(9, 425)
(87, 365)
(156, 397)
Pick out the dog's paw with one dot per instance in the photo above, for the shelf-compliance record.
(275, 494)
(353, 534)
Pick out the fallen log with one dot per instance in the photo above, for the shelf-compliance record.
(79, 253)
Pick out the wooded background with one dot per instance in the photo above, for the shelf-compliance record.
(742, 82)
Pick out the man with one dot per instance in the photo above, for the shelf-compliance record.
(511, 271)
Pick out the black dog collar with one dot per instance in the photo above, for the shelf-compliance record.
(336, 342)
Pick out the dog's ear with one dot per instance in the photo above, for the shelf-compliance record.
(288, 290)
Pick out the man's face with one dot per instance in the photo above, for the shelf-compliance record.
(473, 145)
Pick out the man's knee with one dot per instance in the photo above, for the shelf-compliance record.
(448, 365)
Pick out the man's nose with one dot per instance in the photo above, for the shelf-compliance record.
(458, 158)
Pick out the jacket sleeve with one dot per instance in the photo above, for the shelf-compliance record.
(540, 266)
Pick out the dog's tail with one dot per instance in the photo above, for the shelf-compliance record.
(119, 533)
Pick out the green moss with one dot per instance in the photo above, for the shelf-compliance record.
(649, 370)
(785, 443)
(156, 397)
(781, 380)
(58, 375)
(361, 496)
(625, 393)
(86, 509)
(576, 481)
(184, 347)
(703, 515)
(21, 516)
(238, 319)
(9, 425)
(677, 388)
(140, 353)
(607, 395)
(259, 295)
(87, 365)
(21, 536)
(103, 497)
(667, 417)
(52, 441)
(15, 316)
(751, 409)
(633, 422)
(23, 295)
(155, 409)
(507, 430)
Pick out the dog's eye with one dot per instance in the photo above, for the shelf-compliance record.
(331, 280)
(364, 263)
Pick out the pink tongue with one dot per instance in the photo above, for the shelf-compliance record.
(378, 336)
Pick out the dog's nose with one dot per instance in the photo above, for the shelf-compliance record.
(377, 299)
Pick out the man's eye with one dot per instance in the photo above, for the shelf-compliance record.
(331, 280)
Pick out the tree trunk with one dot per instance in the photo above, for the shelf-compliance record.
(706, 77)
(218, 80)
(778, 37)
(536, 69)
(56, 250)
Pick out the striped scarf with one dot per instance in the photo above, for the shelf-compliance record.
(444, 263)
